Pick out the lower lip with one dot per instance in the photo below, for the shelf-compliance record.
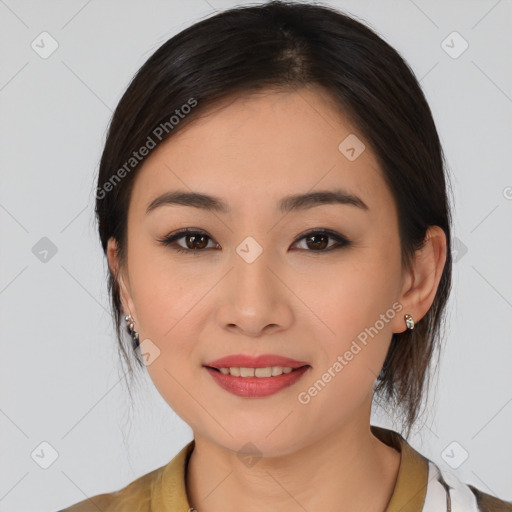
(251, 387)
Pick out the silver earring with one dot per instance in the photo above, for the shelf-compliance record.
(409, 322)
(131, 329)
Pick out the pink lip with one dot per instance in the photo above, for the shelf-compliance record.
(253, 387)
(256, 386)
(245, 361)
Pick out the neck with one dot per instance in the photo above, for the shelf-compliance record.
(347, 470)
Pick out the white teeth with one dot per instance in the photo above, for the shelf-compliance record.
(263, 372)
(246, 372)
(276, 370)
(269, 371)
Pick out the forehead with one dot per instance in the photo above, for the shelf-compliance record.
(258, 148)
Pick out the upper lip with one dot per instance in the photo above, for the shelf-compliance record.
(262, 361)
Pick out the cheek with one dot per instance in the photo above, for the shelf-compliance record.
(167, 303)
(348, 297)
(162, 292)
(349, 362)
(356, 312)
(168, 311)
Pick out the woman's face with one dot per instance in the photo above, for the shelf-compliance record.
(255, 283)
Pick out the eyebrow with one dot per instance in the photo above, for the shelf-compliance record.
(296, 202)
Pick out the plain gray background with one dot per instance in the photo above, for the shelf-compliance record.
(60, 378)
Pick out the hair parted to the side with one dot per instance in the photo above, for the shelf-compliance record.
(288, 45)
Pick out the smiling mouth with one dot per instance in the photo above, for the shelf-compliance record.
(266, 372)
(260, 382)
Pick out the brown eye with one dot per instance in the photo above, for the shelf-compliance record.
(197, 241)
(318, 241)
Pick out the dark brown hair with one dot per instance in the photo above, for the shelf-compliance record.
(288, 45)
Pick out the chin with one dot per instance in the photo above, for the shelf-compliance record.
(256, 442)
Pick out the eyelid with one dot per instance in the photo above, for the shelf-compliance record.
(341, 240)
(170, 239)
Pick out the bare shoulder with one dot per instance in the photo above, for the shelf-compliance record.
(135, 497)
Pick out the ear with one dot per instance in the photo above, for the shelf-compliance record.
(421, 282)
(124, 283)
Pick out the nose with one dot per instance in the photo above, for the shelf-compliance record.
(255, 299)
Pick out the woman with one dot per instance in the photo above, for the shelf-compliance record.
(272, 202)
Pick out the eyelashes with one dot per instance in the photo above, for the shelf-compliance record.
(171, 239)
(316, 237)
